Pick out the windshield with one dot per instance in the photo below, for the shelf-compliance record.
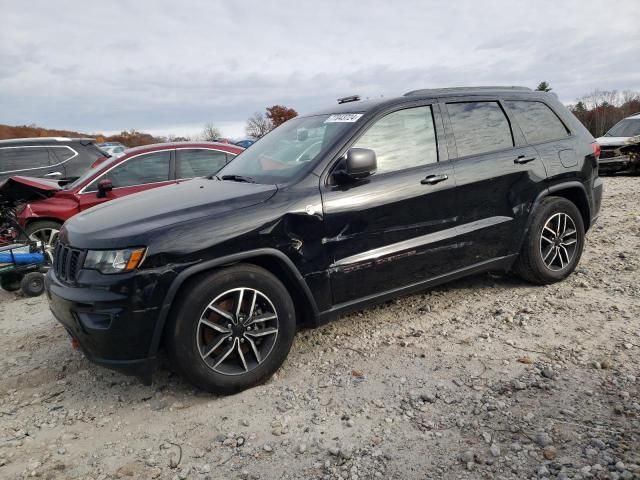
(286, 151)
(629, 127)
(88, 174)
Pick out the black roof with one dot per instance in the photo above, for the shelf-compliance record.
(367, 105)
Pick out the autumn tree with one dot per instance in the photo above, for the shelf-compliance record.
(279, 114)
(543, 87)
(210, 133)
(258, 125)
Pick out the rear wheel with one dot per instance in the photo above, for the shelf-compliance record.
(10, 281)
(232, 329)
(554, 243)
(45, 232)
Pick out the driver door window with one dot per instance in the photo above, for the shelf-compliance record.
(140, 170)
(402, 139)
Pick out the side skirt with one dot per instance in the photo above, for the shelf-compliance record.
(501, 263)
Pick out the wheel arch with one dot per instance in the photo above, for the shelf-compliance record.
(32, 220)
(272, 260)
(576, 193)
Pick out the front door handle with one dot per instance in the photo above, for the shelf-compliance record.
(433, 179)
(522, 159)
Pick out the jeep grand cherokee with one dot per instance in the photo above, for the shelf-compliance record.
(330, 212)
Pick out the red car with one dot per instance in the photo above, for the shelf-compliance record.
(48, 205)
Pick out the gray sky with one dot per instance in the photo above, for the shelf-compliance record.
(170, 66)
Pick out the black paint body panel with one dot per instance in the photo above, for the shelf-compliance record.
(338, 247)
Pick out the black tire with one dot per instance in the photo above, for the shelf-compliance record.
(531, 265)
(185, 339)
(32, 284)
(10, 281)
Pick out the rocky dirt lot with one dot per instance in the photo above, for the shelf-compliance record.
(483, 378)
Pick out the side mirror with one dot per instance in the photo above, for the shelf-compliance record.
(360, 163)
(104, 187)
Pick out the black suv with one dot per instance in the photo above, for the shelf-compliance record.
(330, 212)
(54, 158)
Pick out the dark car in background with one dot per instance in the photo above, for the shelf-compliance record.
(54, 158)
(328, 213)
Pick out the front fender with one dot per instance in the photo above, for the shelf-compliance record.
(189, 272)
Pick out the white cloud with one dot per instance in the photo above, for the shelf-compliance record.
(170, 67)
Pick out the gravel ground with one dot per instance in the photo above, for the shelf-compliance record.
(487, 377)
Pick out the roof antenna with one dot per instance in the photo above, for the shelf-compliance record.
(352, 98)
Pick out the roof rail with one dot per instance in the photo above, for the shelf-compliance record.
(47, 139)
(439, 91)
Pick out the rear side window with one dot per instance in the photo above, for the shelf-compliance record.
(537, 121)
(402, 139)
(199, 162)
(62, 154)
(16, 159)
(479, 127)
(140, 170)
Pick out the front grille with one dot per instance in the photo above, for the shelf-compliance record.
(66, 262)
(609, 152)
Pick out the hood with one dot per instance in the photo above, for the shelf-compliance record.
(132, 220)
(26, 189)
(611, 141)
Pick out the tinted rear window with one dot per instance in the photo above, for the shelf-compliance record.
(479, 127)
(16, 159)
(537, 121)
(199, 162)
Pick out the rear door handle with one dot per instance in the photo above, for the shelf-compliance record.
(433, 179)
(522, 159)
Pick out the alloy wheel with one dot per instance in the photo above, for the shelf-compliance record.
(47, 237)
(237, 331)
(558, 241)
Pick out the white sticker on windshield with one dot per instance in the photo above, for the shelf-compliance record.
(343, 118)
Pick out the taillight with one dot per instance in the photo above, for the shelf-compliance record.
(596, 149)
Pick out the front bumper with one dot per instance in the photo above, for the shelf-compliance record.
(621, 163)
(113, 322)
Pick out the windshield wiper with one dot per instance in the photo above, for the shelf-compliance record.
(238, 178)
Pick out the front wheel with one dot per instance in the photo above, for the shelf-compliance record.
(45, 232)
(32, 284)
(232, 329)
(554, 242)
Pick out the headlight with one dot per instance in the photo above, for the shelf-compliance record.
(632, 140)
(114, 261)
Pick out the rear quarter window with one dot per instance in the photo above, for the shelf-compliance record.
(538, 122)
(62, 154)
(479, 127)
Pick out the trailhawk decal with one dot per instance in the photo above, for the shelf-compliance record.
(343, 118)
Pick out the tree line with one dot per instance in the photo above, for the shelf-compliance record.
(602, 109)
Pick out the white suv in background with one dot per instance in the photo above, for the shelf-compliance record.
(621, 147)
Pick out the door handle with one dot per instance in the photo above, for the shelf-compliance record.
(433, 179)
(522, 159)
(53, 174)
